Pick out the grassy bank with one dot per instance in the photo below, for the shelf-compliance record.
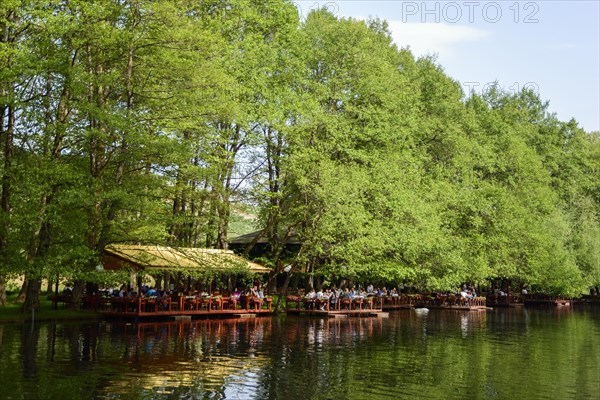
(12, 312)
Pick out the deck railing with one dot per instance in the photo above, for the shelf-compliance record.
(180, 305)
(303, 303)
(451, 300)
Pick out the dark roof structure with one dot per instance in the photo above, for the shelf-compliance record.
(251, 237)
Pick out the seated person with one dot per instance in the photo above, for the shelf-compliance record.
(244, 298)
(333, 297)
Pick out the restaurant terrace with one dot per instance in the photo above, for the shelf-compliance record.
(189, 302)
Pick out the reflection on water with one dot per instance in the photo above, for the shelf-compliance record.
(511, 353)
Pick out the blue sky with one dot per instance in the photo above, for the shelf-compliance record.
(550, 46)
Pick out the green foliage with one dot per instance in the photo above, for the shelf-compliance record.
(158, 121)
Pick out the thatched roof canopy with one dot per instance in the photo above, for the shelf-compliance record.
(184, 258)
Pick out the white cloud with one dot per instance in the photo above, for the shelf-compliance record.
(429, 38)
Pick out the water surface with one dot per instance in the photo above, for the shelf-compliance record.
(500, 354)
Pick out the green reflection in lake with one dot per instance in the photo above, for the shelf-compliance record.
(500, 354)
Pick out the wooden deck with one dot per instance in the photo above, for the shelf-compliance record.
(179, 306)
(546, 301)
(504, 301)
(158, 314)
(401, 302)
(590, 299)
(358, 307)
(450, 302)
(374, 305)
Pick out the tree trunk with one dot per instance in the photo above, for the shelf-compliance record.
(78, 291)
(284, 289)
(283, 293)
(37, 249)
(224, 211)
(5, 209)
(32, 300)
(167, 279)
(23, 292)
(91, 288)
(2, 291)
(6, 131)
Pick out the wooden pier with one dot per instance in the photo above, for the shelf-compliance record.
(356, 307)
(450, 302)
(510, 300)
(179, 306)
(373, 305)
(541, 300)
(400, 302)
(591, 299)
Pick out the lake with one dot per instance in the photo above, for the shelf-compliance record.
(499, 354)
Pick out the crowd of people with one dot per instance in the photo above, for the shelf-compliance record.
(150, 291)
(350, 293)
(248, 297)
(333, 295)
